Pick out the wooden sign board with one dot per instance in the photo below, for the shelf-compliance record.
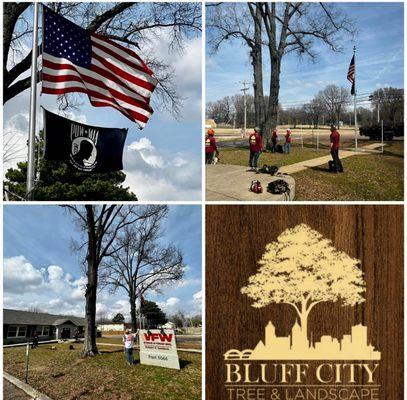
(304, 302)
(158, 348)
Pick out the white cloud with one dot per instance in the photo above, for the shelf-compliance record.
(170, 306)
(142, 144)
(157, 175)
(19, 275)
(197, 296)
(50, 289)
(172, 301)
(187, 282)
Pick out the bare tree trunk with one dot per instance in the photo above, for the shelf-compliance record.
(272, 110)
(304, 325)
(257, 63)
(89, 347)
(133, 314)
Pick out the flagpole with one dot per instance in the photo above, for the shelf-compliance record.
(33, 108)
(354, 99)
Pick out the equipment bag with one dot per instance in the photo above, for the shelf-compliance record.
(279, 186)
(280, 149)
(269, 169)
(256, 187)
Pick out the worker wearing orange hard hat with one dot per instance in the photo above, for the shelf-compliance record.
(210, 147)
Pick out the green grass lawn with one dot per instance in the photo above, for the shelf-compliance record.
(63, 374)
(367, 177)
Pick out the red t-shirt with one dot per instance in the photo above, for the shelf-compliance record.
(255, 142)
(288, 137)
(210, 144)
(274, 137)
(335, 140)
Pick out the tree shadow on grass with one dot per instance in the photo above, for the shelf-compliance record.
(184, 363)
(320, 169)
(390, 154)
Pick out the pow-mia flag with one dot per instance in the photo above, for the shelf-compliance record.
(84, 147)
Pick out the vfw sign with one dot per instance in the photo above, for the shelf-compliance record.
(158, 347)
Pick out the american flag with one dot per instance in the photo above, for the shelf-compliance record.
(351, 75)
(76, 60)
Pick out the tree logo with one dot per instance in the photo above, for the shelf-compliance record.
(303, 269)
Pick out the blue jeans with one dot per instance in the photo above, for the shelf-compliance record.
(129, 356)
(287, 147)
(254, 159)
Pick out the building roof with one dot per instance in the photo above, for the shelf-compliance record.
(18, 317)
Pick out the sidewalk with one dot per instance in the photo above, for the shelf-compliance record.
(11, 392)
(231, 182)
(297, 167)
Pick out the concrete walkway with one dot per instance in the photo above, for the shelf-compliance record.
(16, 389)
(231, 182)
(315, 162)
(11, 392)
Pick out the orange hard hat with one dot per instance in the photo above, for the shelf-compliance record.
(211, 132)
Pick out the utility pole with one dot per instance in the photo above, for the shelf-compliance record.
(244, 90)
(378, 112)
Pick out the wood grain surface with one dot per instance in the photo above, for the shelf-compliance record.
(235, 240)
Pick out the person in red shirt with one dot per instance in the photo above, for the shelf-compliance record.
(335, 139)
(210, 147)
(274, 139)
(256, 147)
(287, 144)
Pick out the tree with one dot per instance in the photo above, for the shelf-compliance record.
(140, 261)
(178, 319)
(132, 24)
(56, 180)
(118, 319)
(102, 318)
(335, 98)
(153, 313)
(303, 269)
(100, 226)
(316, 109)
(230, 20)
(196, 320)
(283, 28)
(390, 102)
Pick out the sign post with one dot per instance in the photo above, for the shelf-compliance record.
(27, 353)
(158, 347)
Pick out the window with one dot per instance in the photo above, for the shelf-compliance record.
(44, 331)
(12, 331)
(16, 331)
(22, 331)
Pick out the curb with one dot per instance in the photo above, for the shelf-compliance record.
(34, 393)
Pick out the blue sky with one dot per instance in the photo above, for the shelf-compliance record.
(40, 270)
(379, 59)
(167, 151)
